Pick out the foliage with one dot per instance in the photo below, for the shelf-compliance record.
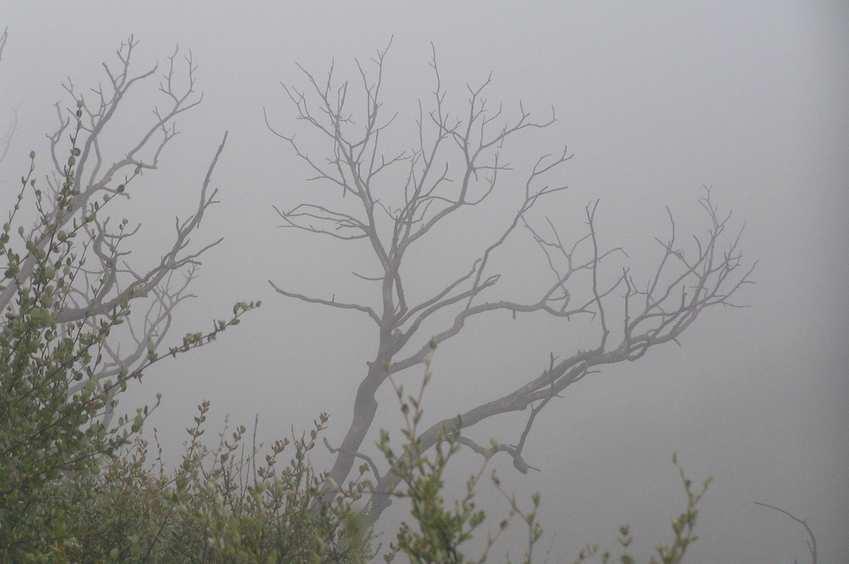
(441, 531)
(682, 528)
(56, 400)
(104, 162)
(218, 506)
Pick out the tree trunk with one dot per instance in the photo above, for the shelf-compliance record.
(365, 407)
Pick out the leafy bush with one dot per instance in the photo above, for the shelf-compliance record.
(53, 396)
(218, 506)
(46, 434)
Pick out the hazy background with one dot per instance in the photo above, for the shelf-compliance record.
(655, 101)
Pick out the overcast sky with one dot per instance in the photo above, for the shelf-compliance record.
(655, 102)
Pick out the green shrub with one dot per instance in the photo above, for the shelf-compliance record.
(54, 397)
(47, 435)
(218, 506)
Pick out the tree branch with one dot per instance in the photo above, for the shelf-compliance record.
(441, 180)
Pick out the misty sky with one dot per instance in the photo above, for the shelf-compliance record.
(655, 102)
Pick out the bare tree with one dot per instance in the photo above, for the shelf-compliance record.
(455, 166)
(109, 280)
(812, 543)
(6, 139)
(3, 37)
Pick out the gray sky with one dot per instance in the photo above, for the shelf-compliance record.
(655, 101)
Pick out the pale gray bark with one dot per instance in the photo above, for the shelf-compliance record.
(109, 277)
(439, 186)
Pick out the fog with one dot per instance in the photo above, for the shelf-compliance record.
(656, 103)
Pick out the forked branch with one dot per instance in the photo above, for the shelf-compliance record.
(400, 197)
(89, 174)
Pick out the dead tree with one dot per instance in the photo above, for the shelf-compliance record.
(455, 166)
(811, 542)
(109, 278)
(6, 140)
